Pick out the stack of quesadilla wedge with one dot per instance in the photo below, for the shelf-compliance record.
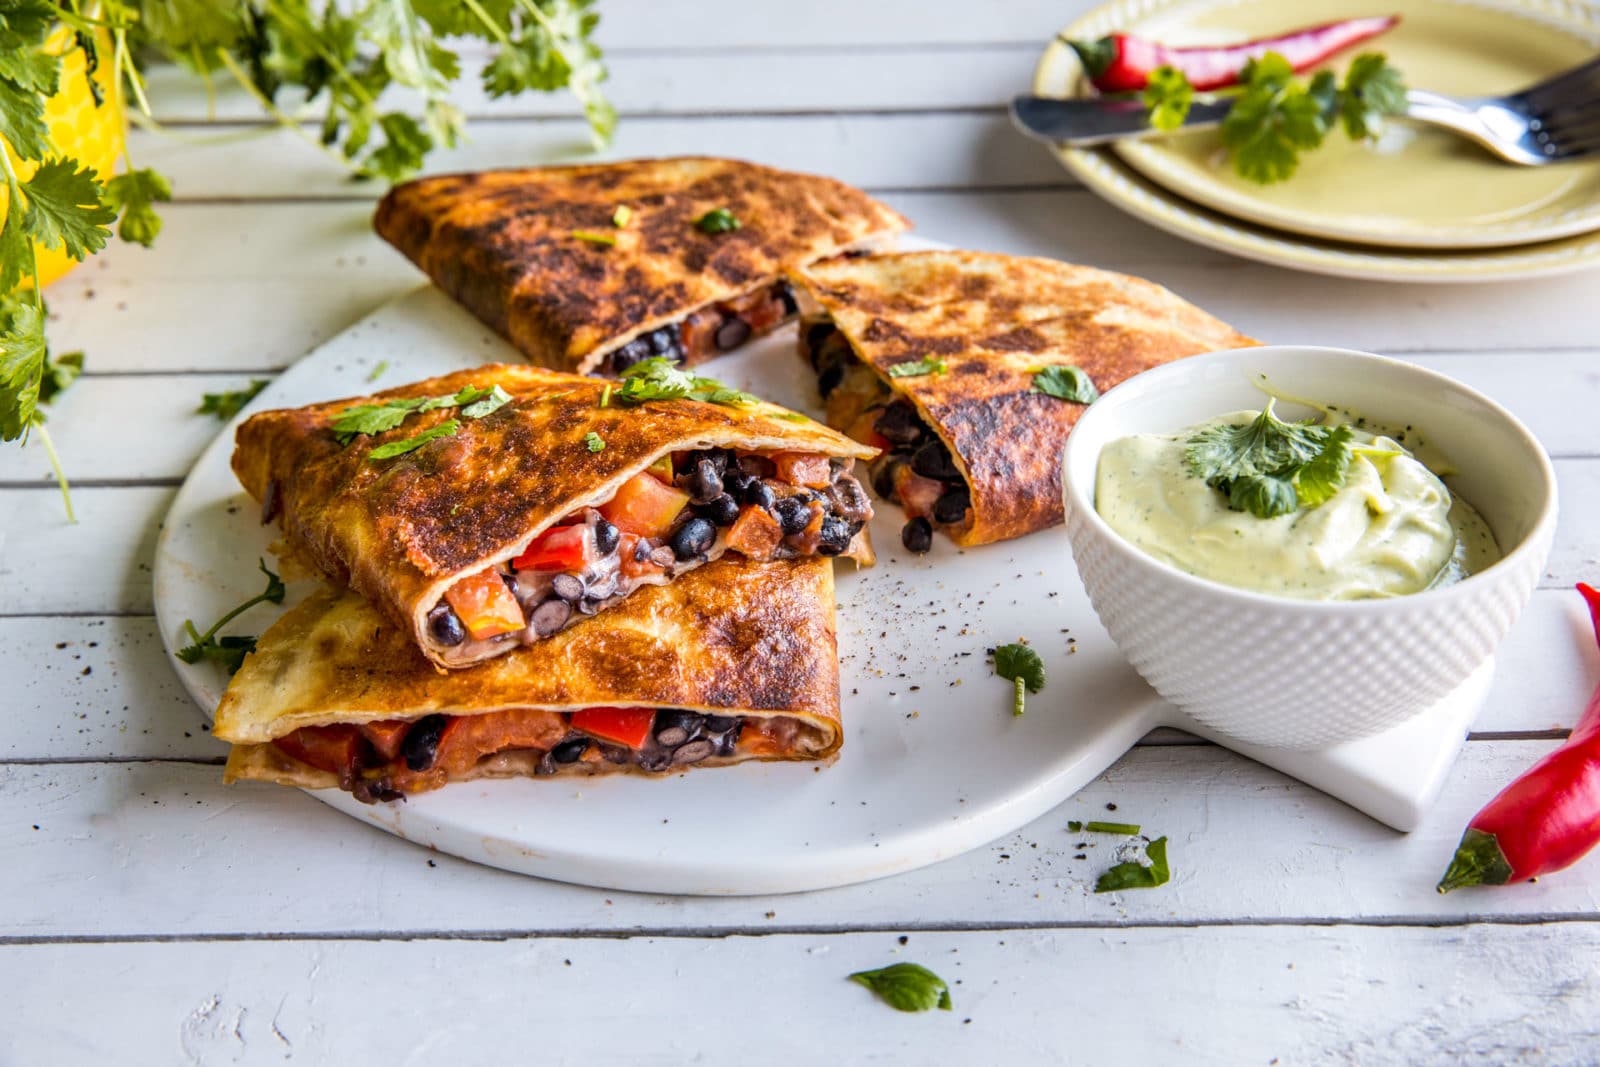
(593, 268)
(935, 358)
(735, 661)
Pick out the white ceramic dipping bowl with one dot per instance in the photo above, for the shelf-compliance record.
(1291, 673)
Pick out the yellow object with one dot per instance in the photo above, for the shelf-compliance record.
(78, 128)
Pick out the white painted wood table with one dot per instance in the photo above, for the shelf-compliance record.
(148, 915)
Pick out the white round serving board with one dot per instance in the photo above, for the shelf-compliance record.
(933, 762)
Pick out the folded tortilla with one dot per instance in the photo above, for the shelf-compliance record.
(539, 254)
(987, 324)
(404, 530)
(733, 640)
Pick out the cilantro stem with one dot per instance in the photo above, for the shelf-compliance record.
(284, 120)
(1016, 705)
(121, 58)
(55, 464)
(1112, 828)
(271, 594)
(308, 36)
(488, 22)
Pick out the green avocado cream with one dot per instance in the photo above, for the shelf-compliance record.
(1390, 529)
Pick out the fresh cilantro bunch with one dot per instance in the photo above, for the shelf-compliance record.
(343, 58)
(1269, 467)
(1278, 115)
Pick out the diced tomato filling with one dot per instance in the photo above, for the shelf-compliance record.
(862, 430)
(386, 736)
(917, 494)
(485, 606)
(626, 726)
(644, 505)
(564, 548)
(468, 738)
(800, 468)
(755, 533)
(327, 748)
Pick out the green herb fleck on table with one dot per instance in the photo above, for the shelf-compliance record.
(1277, 116)
(1073, 826)
(227, 404)
(447, 428)
(230, 651)
(659, 378)
(1112, 828)
(379, 370)
(594, 442)
(907, 987)
(1269, 467)
(918, 368)
(1134, 875)
(1065, 382)
(717, 220)
(1020, 665)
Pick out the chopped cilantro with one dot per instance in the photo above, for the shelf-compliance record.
(907, 987)
(378, 371)
(622, 216)
(917, 368)
(1065, 382)
(371, 419)
(1168, 97)
(411, 444)
(594, 442)
(1111, 827)
(659, 378)
(1021, 666)
(230, 651)
(605, 240)
(226, 405)
(717, 220)
(1134, 875)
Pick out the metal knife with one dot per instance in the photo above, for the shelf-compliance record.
(1092, 121)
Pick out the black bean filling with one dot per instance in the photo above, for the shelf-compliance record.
(667, 341)
(911, 442)
(720, 483)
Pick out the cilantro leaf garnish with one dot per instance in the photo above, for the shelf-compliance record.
(1168, 97)
(1272, 122)
(1269, 467)
(1065, 382)
(226, 405)
(1372, 90)
(1134, 875)
(59, 373)
(659, 378)
(594, 442)
(230, 651)
(411, 444)
(132, 194)
(917, 368)
(1020, 665)
(371, 419)
(907, 987)
(717, 220)
(604, 240)
(64, 208)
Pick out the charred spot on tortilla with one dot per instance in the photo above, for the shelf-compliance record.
(501, 243)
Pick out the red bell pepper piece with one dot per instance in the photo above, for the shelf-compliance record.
(625, 726)
(564, 548)
(336, 749)
(1548, 818)
(1122, 63)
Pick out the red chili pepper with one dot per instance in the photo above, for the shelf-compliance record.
(1122, 63)
(1545, 820)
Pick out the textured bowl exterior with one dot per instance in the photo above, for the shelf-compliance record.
(1282, 672)
(1293, 678)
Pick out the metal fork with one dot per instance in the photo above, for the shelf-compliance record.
(1556, 121)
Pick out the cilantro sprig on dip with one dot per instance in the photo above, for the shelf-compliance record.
(1269, 467)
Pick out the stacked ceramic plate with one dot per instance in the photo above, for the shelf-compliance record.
(1419, 204)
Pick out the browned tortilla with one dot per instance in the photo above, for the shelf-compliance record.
(995, 320)
(502, 243)
(401, 531)
(734, 637)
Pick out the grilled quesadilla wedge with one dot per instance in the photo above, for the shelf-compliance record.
(733, 662)
(593, 268)
(495, 507)
(935, 358)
